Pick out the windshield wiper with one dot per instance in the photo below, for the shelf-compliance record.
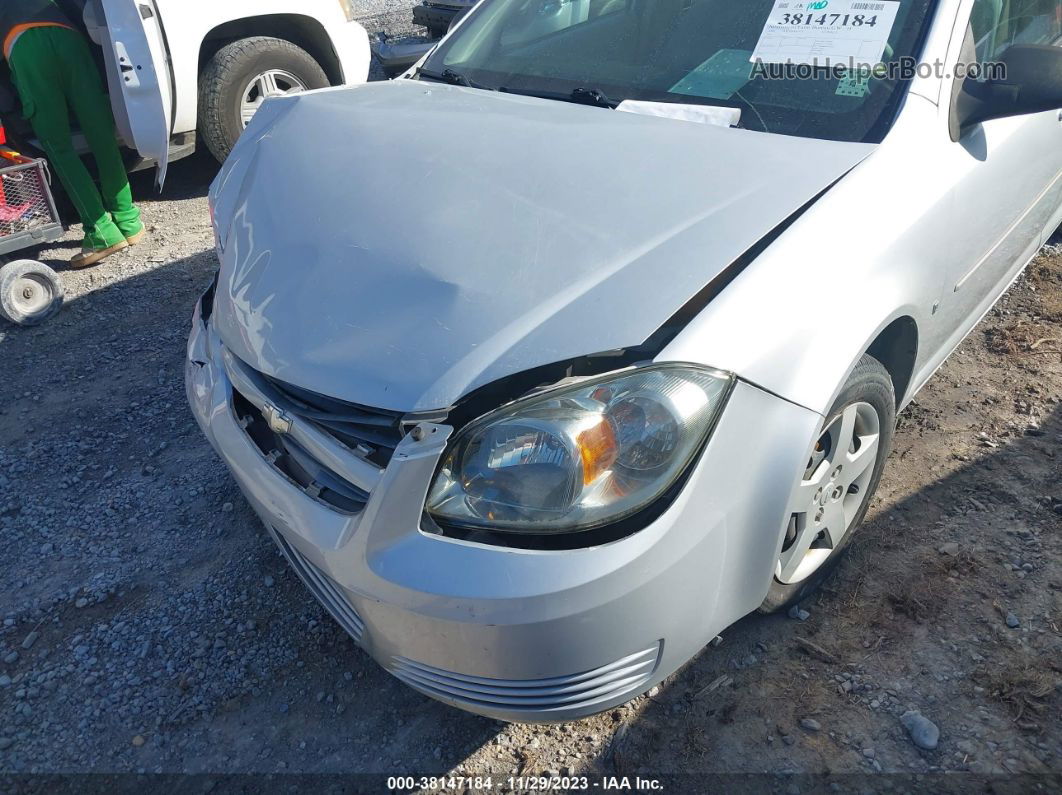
(592, 96)
(580, 96)
(451, 77)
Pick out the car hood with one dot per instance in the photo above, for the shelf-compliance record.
(400, 244)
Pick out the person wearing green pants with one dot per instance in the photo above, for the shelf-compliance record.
(54, 73)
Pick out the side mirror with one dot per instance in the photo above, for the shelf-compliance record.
(1031, 82)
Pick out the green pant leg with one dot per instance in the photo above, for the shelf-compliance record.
(35, 65)
(92, 108)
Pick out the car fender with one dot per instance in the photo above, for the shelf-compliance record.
(798, 318)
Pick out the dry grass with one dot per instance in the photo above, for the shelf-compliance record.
(1023, 338)
(921, 591)
(1045, 276)
(1025, 688)
(919, 594)
(963, 564)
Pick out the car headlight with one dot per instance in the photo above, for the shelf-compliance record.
(578, 457)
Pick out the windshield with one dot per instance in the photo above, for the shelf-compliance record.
(698, 52)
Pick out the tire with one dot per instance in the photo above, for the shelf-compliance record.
(30, 292)
(868, 392)
(227, 78)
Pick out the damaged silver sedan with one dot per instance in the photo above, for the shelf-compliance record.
(552, 359)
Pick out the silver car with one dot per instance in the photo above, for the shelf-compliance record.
(537, 413)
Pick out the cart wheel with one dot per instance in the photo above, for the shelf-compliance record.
(30, 292)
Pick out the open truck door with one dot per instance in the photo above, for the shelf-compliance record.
(138, 74)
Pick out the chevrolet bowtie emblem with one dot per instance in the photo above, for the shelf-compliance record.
(278, 421)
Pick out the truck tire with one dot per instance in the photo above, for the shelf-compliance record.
(241, 76)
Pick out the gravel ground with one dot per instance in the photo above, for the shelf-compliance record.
(393, 17)
(149, 625)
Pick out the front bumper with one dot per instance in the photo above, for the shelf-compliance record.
(514, 634)
(436, 17)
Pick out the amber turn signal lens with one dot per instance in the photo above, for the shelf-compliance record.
(598, 449)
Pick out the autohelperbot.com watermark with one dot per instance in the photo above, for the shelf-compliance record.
(906, 68)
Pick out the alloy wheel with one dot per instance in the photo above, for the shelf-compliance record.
(832, 492)
(272, 83)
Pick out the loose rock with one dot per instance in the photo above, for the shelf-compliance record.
(924, 733)
(799, 613)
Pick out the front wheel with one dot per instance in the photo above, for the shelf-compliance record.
(836, 485)
(240, 77)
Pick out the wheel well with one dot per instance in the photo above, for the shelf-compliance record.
(896, 348)
(302, 31)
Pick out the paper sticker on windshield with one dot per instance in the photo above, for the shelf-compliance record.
(826, 32)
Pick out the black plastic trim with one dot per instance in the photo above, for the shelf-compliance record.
(206, 300)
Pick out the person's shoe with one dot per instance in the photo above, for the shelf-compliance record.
(135, 234)
(90, 256)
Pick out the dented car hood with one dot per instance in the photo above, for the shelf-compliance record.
(365, 260)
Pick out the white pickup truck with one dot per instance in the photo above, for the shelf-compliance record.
(178, 67)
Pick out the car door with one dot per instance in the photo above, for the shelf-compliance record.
(138, 76)
(1007, 172)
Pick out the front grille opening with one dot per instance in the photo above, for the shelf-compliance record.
(295, 463)
(372, 433)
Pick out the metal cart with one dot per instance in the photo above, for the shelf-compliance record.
(30, 291)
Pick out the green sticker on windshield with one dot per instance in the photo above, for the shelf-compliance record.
(854, 84)
(717, 78)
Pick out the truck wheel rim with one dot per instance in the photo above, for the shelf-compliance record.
(832, 491)
(271, 83)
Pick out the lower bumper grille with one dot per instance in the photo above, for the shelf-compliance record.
(328, 592)
(575, 692)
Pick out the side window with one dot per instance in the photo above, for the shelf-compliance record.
(997, 24)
